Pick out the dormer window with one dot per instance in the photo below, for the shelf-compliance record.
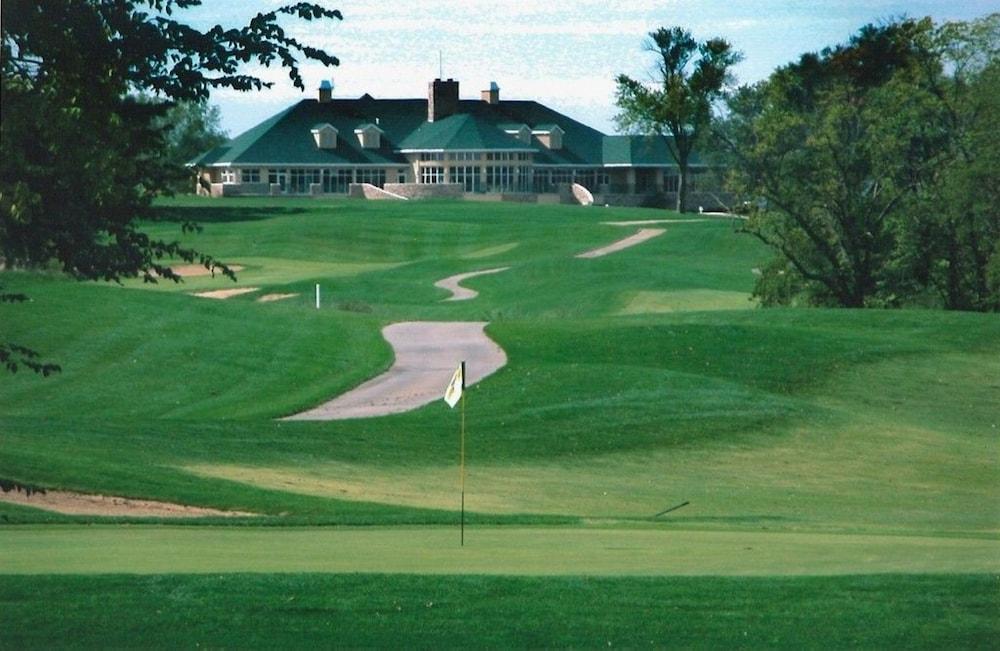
(520, 131)
(550, 135)
(325, 136)
(369, 136)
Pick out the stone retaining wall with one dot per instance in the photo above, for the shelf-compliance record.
(369, 191)
(427, 190)
(238, 189)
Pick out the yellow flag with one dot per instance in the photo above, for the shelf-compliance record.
(454, 391)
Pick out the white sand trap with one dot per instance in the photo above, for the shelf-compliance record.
(640, 237)
(222, 294)
(69, 503)
(459, 293)
(427, 353)
(269, 298)
(193, 270)
(643, 222)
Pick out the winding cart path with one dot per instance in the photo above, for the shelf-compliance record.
(427, 353)
(459, 293)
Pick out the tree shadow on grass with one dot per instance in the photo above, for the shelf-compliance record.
(222, 214)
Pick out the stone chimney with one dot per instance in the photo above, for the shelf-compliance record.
(442, 99)
(492, 96)
(325, 92)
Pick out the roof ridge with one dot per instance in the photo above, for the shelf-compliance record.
(236, 149)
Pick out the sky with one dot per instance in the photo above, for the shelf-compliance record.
(562, 53)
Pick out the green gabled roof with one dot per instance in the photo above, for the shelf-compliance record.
(640, 151)
(460, 131)
(286, 138)
(581, 144)
(232, 150)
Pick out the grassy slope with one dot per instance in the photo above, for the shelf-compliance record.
(635, 381)
(801, 419)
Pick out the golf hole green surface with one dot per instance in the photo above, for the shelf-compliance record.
(489, 550)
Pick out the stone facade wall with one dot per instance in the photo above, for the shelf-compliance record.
(239, 189)
(426, 190)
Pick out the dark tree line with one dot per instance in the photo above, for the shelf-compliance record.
(871, 169)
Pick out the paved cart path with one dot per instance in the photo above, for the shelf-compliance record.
(459, 293)
(427, 353)
(641, 236)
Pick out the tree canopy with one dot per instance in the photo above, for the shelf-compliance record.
(81, 157)
(865, 165)
(690, 77)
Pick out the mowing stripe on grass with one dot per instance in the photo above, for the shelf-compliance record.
(58, 549)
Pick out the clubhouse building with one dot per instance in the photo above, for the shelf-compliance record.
(441, 146)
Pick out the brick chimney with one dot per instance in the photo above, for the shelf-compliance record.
(442, 99)
(492, 96)
(325, 92)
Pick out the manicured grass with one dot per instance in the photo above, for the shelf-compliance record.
(806, 419)
(642, 551)
(806, 441)
(388, 611)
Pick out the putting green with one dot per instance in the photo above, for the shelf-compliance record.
(654, 551)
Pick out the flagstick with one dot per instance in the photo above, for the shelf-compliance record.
(462, 458)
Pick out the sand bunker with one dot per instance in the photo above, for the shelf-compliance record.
(427, 354)
(226, 293)
(268, 298)
(640, 237)
(193, 270)
(69, 503)
(459, 293)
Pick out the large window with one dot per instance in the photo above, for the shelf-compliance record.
(432, 175)
(250, 175)
(337, 180)
(431, 156)
(300, 179)
(229, 175)
(279, 176)
(671, 182)
(645, 181)
(468, 176)
(503, 178)
(373, 176)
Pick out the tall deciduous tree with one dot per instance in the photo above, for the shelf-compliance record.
(951, 244)
(690, 77)
(80, 158)
(871, 166)
(824, 149)
(190, 129)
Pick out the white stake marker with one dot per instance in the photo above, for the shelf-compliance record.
(317, 296)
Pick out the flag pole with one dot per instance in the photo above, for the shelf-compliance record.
(462, 458)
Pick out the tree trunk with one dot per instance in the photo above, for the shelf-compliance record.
(682, 185)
